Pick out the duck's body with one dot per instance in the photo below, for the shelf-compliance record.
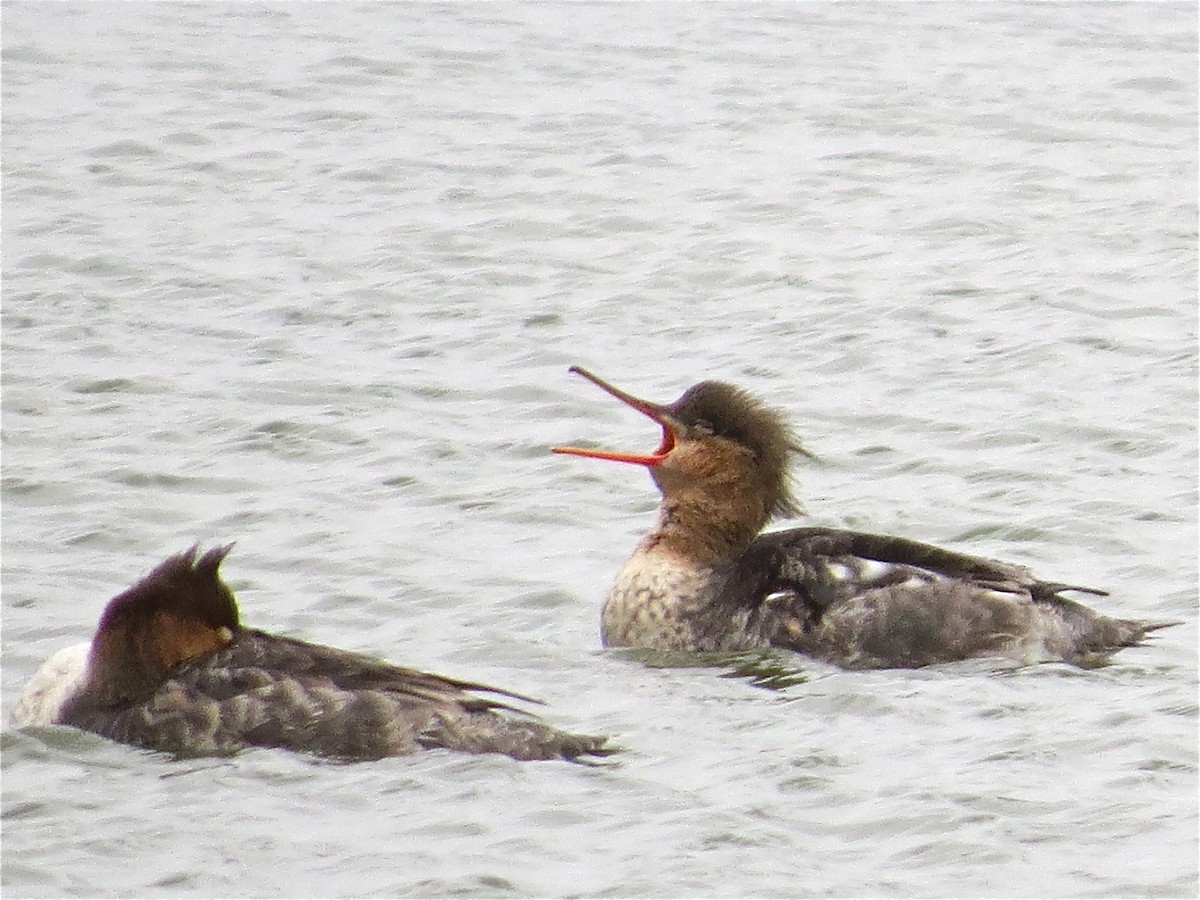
(705, 578)
(171, 669)
(857, 600)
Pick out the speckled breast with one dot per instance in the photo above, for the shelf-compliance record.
(659, 604)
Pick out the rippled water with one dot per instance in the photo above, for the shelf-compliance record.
(308, 277)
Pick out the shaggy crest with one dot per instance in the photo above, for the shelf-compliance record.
(178, 612)
(737, 415)
(188, 587)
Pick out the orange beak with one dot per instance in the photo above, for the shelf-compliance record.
(656, 411)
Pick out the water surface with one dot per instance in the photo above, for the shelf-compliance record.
(309, 277)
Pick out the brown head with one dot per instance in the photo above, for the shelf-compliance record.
(180, 611)
(722, 450)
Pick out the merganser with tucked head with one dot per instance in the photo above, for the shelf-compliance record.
(705, 578)
(171, 668)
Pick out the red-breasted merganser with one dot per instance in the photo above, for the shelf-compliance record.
(171, 668)
(705, 578)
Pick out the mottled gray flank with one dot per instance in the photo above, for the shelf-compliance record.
(267, 691)
(898, 604)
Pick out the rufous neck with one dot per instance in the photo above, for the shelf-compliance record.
(701, 534)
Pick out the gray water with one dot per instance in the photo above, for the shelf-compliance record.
(309, 278)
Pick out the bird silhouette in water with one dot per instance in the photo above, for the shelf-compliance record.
(171, 668)
(706, 578)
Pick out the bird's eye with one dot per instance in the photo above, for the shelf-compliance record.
(703, 426)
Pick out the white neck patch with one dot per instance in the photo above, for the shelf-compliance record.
(56, 682)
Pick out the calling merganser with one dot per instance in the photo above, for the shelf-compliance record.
(706, 579)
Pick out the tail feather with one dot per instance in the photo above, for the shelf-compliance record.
(1155, 626)
(523, 739)
(1049, 590)
(1133, 632)
(1094, 633)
